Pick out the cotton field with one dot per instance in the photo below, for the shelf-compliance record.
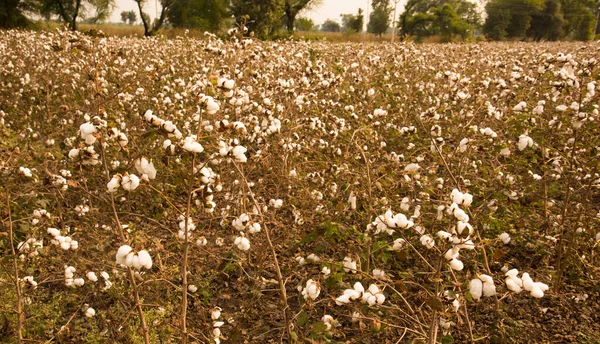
(229, 190)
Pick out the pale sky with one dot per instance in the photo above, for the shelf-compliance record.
(329, 9)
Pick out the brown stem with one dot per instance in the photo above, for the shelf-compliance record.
(273, 253)
(20, 317)
(184, 262)
(121, 233)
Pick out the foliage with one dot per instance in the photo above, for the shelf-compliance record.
(379, 19)
(206, 15)
(264, 17)
(293, 7)
(70, 11)
(304, 24)
(447, 18)
(549, 19)
(11, 14)
(129, 17)
(353, 22)
(331, 26)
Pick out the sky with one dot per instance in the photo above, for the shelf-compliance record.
(329, 9)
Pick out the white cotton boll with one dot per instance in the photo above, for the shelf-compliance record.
(352, 201)
(74, 245)
(129, 259)
(53, 231)
(456, 264)
(130, 182)
(122, 252)
(73, 153)
(427, 241)
(461, 226)
(239, 153)
(215, 313)
(452, 253)
(520, 107)
(349, 265)
(92, 276)
(312, 290)
(378, 274)
(456, 196)
(313, 258)
(326, 271)
(512, 285)
(527, 282)
(524, 142)
(192, 288)
(460, 215)
(476, 288)
(143, 166)
(229, 84)
(190, 145)
(342, 299)
(242, 243)
(398, 244)
(78, 282)
(65, 245)
(277, 203)
(212, 107)
(537, 292)
(380, 298)
(505, 237)
(489, 289)
(412, 167)
(444, 235)
(114, 184)
(358, 287)
(90, 312)
(144, 259)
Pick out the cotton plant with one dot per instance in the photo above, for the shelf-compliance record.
(126, 256)
(517, 284)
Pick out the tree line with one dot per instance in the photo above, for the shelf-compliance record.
(504, 19)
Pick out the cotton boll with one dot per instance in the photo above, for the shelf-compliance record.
(349, 265)
(78, 282)
(512, 285)
(144, 259)
(192, 288)
(505, 237)
(90, 312)
(129, 259)
(342, 299)
(130, 182)
(312, 290)
(476, 288)
(527, 282)
(412, 167)
(122, 252)
(92, 276)
(456, 264)
(215, 313)
(143, 166)
(537, 292)
(427, 241)
(114, 184)
(242, 243)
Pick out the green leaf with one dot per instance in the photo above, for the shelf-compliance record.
(302, 318)
(447, 339)
(319, 327)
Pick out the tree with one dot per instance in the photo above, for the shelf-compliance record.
(447, 23)
(206, 15)
(102, 10)
(304, 24)
(293, 7)
(331, 26)
(151, 29)
(124, 16)
(70, 10)
(540, 19)
(264, 16)
(131, 17)
(353, 23)
(446, 18)
(379, 20)
(11, 14)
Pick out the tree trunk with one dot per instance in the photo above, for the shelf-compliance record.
(75, 14)
(289, 17)
(144, 22)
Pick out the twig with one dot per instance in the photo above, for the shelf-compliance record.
(20, 317)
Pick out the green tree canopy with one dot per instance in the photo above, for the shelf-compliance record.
(304, 24)
(264, 16)
(199, 14)
(540, 19)
(331, 26)
(379, 19)
(352, 22)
